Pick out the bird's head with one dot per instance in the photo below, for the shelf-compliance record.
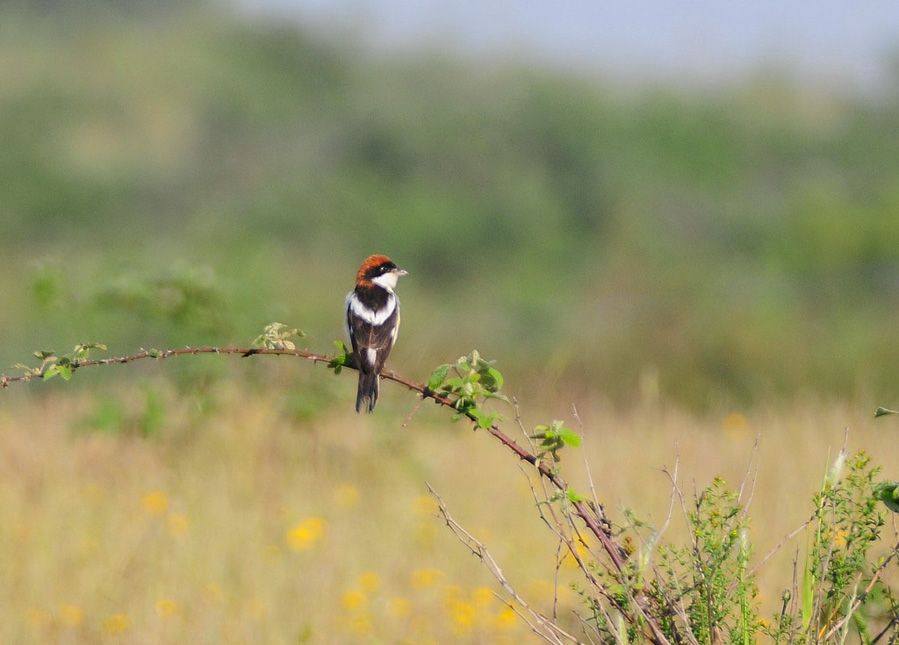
(379, 270)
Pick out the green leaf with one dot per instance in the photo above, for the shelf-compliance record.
(808, 596)
(438, 376)
(43, 354)
(492, 379)
(454, 384)
(65, 371)
(573, 497)
(882, 412)
(50, 372)
(341, 358)
(483, 419)
(570, 437)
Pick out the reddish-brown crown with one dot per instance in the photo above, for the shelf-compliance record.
(370, 263)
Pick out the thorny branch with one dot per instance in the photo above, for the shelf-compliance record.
(593, 517)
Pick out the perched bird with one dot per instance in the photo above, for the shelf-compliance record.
(372, 323)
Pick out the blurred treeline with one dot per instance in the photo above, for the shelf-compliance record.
(183, 175)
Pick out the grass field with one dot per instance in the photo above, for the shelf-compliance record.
(240, 519)
(690, 267)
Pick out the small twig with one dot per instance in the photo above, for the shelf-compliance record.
(683, 505)
(777, 547)
(886, 629)
(753, 460)
(554, 633)
(415, 408)
(672, 497)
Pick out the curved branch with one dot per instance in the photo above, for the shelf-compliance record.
(593, 516)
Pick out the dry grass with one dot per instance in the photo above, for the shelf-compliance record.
(241, 525)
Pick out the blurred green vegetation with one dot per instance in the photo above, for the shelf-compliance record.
(183, 175)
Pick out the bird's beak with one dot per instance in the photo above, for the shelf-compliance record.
(401, 272)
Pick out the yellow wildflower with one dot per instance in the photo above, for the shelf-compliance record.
(155, 502)
(839, 538)
(346, 496)
(166, 607)
(71, 615)
(370, 581)
(257, 609)
(452, 592)
(570, 562)
(116, 624)
(306, 534)
(36, 617)
(422, 578)
(213, 593)
(426, 505)
(483, 596)
(506, 619)
(736, 426)
(462, 615)
(425, 533)
(353, 599)
(178, 524)
(485, 534)
(361, 624)
(399, 607)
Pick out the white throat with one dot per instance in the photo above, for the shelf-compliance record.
(388, 280)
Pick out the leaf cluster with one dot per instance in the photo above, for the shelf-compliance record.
(277, 335)
(719, 557)
(554, 437)
(63, 366)
(470, 381)
(846, 524)
(701, 591)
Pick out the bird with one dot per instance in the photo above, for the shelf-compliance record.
(372, 323)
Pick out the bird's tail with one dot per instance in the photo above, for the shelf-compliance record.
(367, 392)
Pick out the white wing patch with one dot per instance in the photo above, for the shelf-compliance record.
(346, 318)
(372, 356)
(376, 318)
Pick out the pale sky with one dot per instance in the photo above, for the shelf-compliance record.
(822, 42)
